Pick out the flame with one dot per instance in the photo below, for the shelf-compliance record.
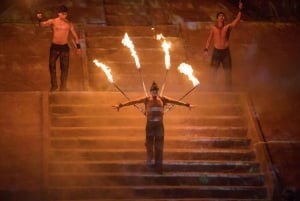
(159, 37)
(128, 43)
(188, 70)
(106, 70)
(166, 46)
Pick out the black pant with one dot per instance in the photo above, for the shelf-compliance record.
(61, 51)
(155, 142)
(221, 56)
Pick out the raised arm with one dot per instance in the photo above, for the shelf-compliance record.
(238, 17)
(42, 22)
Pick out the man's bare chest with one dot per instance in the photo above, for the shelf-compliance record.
(220, 31)
(61, 26)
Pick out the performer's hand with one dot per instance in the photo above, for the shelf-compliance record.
(39, 15)
(117, 107)
(240, 5)
(190, 106)
(205, 53)
(78, 51)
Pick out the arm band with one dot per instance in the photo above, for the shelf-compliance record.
(78, 46)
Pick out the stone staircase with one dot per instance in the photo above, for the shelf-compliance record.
(96, 153)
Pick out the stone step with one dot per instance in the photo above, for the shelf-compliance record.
(139, 154)
(148, 69)
(133, 31)
(106, 109)
(145, 42)
(139, 166)
(128, 20)
(144, 55)
(167, 199)
(160, 16)
(124, 2)
(134, 131)
(131, 82)
(152, 179)
(201, 98)
(137, 10)
(87, 121)
(128, 142)
(158, 192)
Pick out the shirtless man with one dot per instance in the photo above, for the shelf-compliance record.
(154, 106)
(220, 33)
(61, 28)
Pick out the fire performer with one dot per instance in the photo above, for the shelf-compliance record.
(220, 33)
(61, 28)
(154, 107)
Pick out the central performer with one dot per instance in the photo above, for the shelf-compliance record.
(154, 107)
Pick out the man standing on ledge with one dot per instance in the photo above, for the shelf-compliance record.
(220, 33)
(61, 28)
(154, 106)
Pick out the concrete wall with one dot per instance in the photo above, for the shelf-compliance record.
(21, 144)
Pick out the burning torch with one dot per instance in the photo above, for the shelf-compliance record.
(128, 43)
(108, 74)
(166, 46)
(188, 71)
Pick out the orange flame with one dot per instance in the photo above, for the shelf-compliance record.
(160, 36)
(188, 71)
(166, 46)
(128, 43)
(106, 70)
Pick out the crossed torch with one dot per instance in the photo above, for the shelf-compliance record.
(108, 74)
(183, 68)
(166, 46)
(188, 71)
(128, 43)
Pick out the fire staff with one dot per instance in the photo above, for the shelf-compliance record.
(154, 107)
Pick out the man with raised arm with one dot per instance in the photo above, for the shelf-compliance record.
(219, 34)
(59, 48)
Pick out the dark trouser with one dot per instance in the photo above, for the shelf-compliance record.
(61, 51)
(155, 142)
(221, 56)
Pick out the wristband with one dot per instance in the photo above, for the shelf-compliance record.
(205, 50)
(78, 46)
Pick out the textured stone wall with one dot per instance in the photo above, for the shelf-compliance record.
(21, 143)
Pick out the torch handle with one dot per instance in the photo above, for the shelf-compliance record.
(143, 83)
(182, 97)
(137, 107)
(164, 84)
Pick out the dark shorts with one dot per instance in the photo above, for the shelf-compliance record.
(221, 56)
(57, 47)
(155, 128)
